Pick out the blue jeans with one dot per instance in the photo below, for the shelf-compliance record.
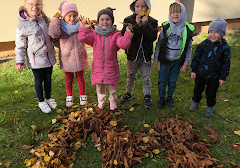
(168, 75)
(40, 76)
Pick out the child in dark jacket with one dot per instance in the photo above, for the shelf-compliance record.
(173, 50)
(141, 49)
(210, 65)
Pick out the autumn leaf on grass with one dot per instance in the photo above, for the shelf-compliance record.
(54, 121)
(1, 164)
(156, 151)
(237, 132)
(51, 153)
(35, 128)
(151, 131)
(146, 125)
(236, 146)
(26, 147)
(213, 134)
(115, 162)
(154, 160)
(16, 121)
(131, 109)
(16, 91)
(59, 110)
(163, 115)
(145, 139)
(113, 123)
(7, 165)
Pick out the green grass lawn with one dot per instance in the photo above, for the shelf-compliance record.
(18, 101)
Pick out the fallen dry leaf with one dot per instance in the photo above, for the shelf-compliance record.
(16, 121)
(7, 165)
(237, 132)
(26, 147)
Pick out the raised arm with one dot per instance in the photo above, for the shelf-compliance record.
(54, 28)
(85, 36)
(124, 41)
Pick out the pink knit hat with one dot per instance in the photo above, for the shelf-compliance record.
(66, 7)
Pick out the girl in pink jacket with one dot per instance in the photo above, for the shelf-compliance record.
(106, 40)
(72, 54)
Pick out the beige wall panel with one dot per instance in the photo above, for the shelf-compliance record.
(207, 10)
(90, 8)
(8, 19)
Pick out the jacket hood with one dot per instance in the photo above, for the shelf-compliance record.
(23, 16)
(181, 22)
(146, 1)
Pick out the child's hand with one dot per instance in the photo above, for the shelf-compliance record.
(84, 22)
(193, 75)
(155, 64)
(221, 82)
(19, 68)
(139, 20)
(144, 20)
(184, 68)
(128, 29)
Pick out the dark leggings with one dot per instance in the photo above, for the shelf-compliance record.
(40, 76)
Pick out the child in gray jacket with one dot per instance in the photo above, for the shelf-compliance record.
(32, 41)
(173, 50)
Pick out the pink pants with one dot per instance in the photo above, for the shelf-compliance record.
(101, 94)
(69, 82)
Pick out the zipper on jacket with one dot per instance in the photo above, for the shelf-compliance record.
(34, 59)
(141, 47)
(103, 58)
(44, 40)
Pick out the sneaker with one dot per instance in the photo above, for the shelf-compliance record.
(69, 101)
(147, 101)
(83, 100)
(44, 107)
(161, 102)
(209, 112)
(170, 101)
(126, 97)
(113, 105)
(193, 106)
(52, 103)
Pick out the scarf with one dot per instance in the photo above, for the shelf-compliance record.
(67, 28)
(105, 31)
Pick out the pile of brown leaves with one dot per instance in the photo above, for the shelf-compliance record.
(182, 146)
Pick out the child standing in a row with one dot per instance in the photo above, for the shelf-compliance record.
(173, 50)
(106, 40)
(145, 29)
(72, 54)
(210, 65)
(32, 41)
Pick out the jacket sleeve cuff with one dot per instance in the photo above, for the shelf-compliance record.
(83, 29)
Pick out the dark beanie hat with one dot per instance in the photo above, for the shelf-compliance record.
(219, 25)
(108, 11)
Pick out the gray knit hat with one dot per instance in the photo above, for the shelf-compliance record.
(108, 11)
(219, 25)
